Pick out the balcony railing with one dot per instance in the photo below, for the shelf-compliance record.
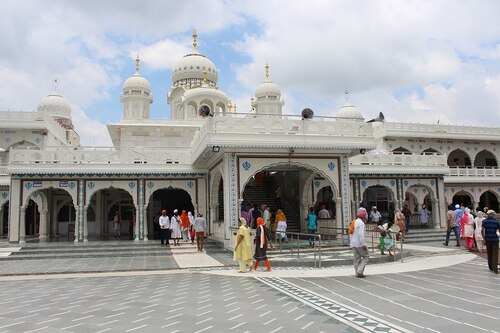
(101, 155)
(474, 172)
(388, 159)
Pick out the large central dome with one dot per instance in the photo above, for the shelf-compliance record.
(193, 69)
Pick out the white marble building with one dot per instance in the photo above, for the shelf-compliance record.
(210, 158)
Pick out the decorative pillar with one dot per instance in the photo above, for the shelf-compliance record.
(1, 221)
(231, 195)
(98, 215)
(136, 224)
(345, 191)
(85, 225)
(304, 209)
(213, 213)
(15, 199)
(79, 217)
(441, 205)
(22, 225)
(338, 212)
(141, 226)
(42, 234)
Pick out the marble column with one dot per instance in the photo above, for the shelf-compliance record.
(42, 236)
(22, 225)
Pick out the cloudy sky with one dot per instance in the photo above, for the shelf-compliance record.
(415, 61)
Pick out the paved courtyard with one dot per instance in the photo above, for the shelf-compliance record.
(447, 291)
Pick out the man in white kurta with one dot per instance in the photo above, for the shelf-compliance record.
(358, 243)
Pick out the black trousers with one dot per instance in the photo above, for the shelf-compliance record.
(492, 251)
(164, 236)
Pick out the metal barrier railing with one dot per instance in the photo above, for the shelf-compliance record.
(294, 241)
(374, 236)
(314, 238)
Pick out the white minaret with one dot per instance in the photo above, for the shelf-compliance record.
(267, 102)
(136, 97)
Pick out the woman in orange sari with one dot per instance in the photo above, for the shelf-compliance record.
(185, 223)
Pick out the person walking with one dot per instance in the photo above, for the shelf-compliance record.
(478, 231)
(262, 238)
(164, 222)
(468, 229)
(489, 232)
(175, 227)
(400, 221)
(453, 224)
(200, 226)
(185, 223)
(425, 215)
(117, 225)
(312, 225)
(131, 224)
(375, 215)
(358, 243)
(243, 247)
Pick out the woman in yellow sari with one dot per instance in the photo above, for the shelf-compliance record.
(243, 246)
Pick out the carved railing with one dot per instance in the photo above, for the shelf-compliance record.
(388, 159)
(474, 172)
(53, 126)
(102, 155)
(283, 125)
(440, 129)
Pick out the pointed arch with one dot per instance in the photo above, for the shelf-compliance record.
(485, 159)
(459, 158)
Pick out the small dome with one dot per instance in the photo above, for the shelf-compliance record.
(136, 83)
(349, 111)
(268, 88)
(192, 66)
(55, 105)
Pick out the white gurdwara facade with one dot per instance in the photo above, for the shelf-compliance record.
(211, 159)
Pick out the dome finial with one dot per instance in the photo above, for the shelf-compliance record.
(55, 83)
(267, 71)
(346, 92)
(137, 60)
(194, 38)
(230, 106)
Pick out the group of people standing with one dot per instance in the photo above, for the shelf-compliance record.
(479, 231)
(276, 226)
(183, 226)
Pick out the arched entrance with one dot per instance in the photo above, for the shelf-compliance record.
(459, 158)
(490, 200)
(325, 198)
(381, 197)
(277, 188)
(4, 232)
(485, 159)
(101, 212)
(463, 199)
(31, 219)
(168, 199)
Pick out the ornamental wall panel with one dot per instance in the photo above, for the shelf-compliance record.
(188, 185)
(4, 197)
(390, 184)
(31, 186)
(249, 166)
(94, 186)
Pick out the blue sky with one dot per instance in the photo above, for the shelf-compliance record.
(415, 61)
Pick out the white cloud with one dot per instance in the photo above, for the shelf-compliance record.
(412, 60)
